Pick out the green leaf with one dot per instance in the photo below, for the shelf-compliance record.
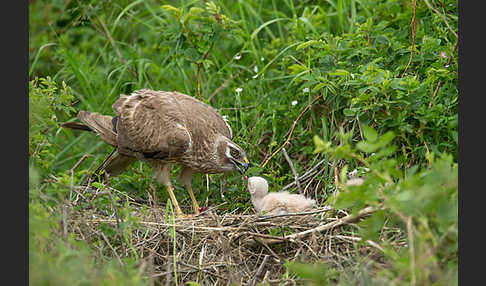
(387, 151)
(367, 147)
(296, 69)
(307, 44)
(192, 54)
(350, 111)
(98, 185)
(318, 86)
(385, 139)
(321, 146)
(342, 151)
(369, 133)
(339, 72)
(371, 227)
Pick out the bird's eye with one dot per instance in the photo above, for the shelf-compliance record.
(234, 153)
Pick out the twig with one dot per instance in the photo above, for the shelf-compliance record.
(266, 235)
(64, 220)
(238, 108)
(79, 162)
(206, 228)
(108, 192)
(199, 269)
(370, 242)
(304, 176)
(336, 178)
(296, 176)
(325, 209)
(111, 247)
(292, 129)
(342, 221)
(411, 249)
(442, 17)
(414, 28)
(223, 86)
(263, 243)
(297, 61)
(198, 70)
(440, 82)
(259, 271)
(72, 173)
(345, 220)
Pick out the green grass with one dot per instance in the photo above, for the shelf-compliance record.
(354, 52)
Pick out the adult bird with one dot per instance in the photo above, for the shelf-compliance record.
(163, 129)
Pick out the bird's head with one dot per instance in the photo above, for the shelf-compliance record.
(257, 186)
(235, 157)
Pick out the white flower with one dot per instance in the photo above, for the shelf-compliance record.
(237, 56)
(255, 76)
(305, 90)
(262, 59)
(294, 102)
(238, 90)
(255, 69)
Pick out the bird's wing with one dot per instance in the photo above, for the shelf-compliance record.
(201, 114)
(151, 125)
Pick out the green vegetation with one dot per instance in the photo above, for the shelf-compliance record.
(374, 105)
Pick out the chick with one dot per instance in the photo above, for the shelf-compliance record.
(353, 179)
(276, 202)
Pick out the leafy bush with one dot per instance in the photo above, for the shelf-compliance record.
(46, 103)
(423, 203)
(53, 261)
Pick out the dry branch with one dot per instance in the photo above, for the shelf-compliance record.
(296, 176)
(442, 17)
(414, 29)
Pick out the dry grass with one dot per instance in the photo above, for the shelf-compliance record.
(219, 249)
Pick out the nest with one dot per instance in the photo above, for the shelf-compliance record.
(220, 249)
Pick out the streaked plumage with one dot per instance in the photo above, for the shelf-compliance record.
(275, 203)
(166, 128)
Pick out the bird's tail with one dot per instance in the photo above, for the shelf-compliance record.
(76, 126)
(103, 125)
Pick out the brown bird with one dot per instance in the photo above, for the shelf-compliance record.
(276, 203)
(163, 129)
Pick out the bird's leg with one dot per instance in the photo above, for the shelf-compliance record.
(170, 189)
(162, 175)
(185, 176)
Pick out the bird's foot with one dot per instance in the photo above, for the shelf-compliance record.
(185, 216)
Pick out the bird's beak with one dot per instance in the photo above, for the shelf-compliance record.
(241, 166)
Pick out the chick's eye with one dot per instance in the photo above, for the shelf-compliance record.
(234, 153)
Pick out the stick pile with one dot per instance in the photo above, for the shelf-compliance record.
(220, 249)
